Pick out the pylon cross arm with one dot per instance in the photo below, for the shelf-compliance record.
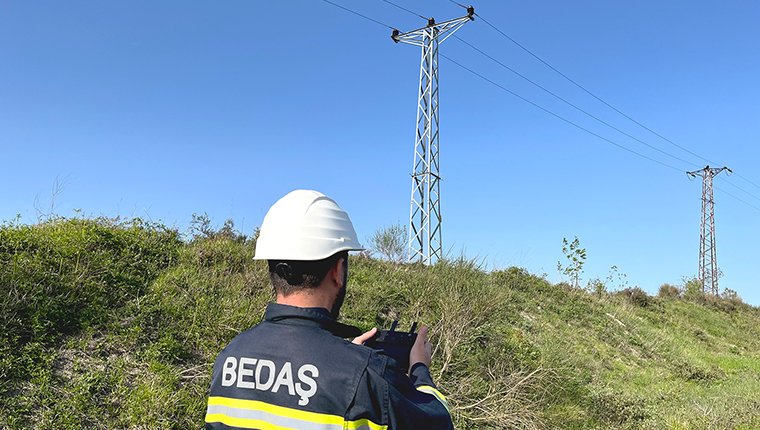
(441, 30)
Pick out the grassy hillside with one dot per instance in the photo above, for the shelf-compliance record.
(116, 325)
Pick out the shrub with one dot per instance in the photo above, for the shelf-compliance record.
(692, 290)
(636, 296)
(390, 242)
(200, 228)
(518, 278)
(669, 291)
(728, 301)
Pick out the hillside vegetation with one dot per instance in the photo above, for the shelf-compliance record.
(109, 324)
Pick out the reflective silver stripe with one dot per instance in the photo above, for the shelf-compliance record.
(275, 420)
(255, 414)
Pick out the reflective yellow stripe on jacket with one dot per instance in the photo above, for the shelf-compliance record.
(437, 394)
(253, 414)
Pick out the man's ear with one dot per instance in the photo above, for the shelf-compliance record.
(336, 272)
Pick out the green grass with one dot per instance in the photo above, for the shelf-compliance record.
(116, 325)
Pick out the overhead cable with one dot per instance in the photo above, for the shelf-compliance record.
(458, 4)
(405, 9)
(358, 14)
(555, 95)
(737, 198)
(503, 88)
(747, 180)
(587, 91)
(740, 188)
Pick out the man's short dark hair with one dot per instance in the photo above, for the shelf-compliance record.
(289, 276)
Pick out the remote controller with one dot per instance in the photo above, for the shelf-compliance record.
(395, 344)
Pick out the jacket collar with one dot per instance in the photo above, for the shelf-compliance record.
(277, 312)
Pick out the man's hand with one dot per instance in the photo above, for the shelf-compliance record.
(421, 350)
(364, 337)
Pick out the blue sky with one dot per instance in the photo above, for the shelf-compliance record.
(162, 109)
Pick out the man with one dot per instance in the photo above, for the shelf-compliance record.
(295, 370)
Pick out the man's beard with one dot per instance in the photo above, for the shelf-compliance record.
(335, 311)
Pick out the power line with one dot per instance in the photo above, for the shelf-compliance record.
(589, 92)
(747, 180)
(459, 4)
(559, 116)
(740, 188)
(737, 198)
(572, 81)
(572, 104)
(405, 9)
(358, 14)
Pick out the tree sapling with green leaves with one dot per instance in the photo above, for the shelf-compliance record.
(576, 257)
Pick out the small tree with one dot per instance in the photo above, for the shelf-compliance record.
(390, 242)
(576, 257)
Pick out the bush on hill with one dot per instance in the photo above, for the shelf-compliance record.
(668, 291)
(636, 296)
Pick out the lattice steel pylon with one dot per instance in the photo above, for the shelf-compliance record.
(424, 234)
(708, 260)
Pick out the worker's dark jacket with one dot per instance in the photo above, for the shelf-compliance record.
(295, 371)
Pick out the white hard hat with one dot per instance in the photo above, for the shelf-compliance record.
(305, 225)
